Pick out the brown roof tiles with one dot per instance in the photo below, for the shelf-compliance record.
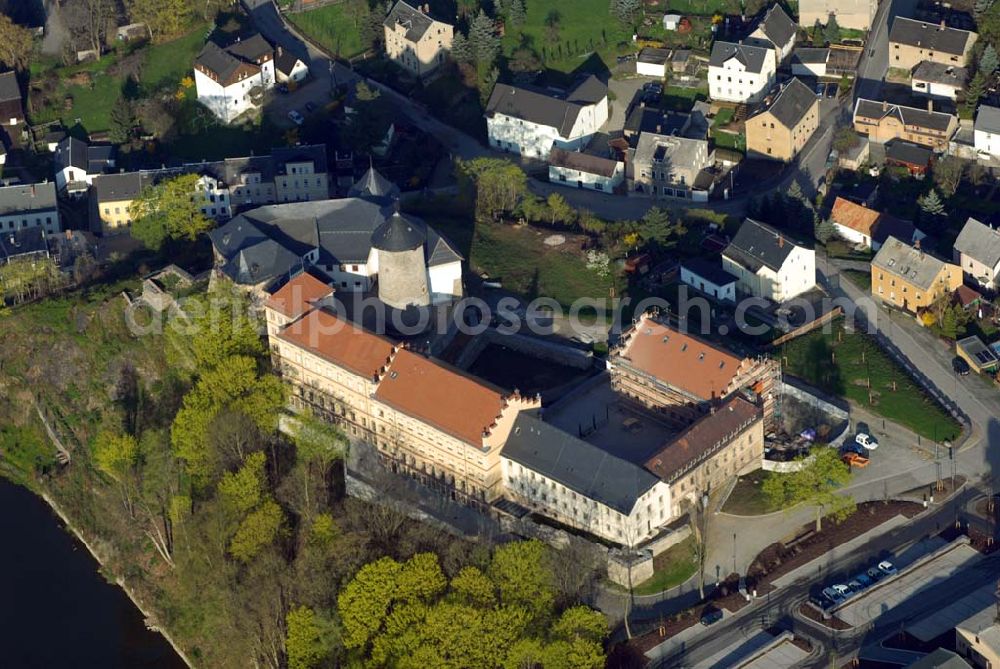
(296, 297)
(854, 216)
(340, 342)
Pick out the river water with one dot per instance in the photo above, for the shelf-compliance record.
(56, 610)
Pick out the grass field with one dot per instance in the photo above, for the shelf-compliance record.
(585, 26)
(841, 363)
(333, 26)
(747, 498)
(862, 280)
(682, 98)
(671, 568)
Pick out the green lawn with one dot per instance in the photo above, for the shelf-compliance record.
(747, 498)
(841, 363)
(723, 117)
(334, 26)
(166, 64)
(729, 140)
(838, 248)
(671, 568)
(682, 98)
(585, 26)
(862, 280)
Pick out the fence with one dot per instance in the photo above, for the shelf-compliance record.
(836, 312)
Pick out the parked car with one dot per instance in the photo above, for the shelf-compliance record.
(863, 579)
(310, 107)
(852, 447)
(866, 440)
(831, 90)
(834, 596)
(710, 616)
(854, 460)
(875, 573)
(841, 589)
(819, 90)
(295, 117)
(960, 366)
(887, 567)
(855, 585)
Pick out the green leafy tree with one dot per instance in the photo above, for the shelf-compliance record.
(473, 587)
(365, 602)
(484, 41)
(516, 12)
(369, 121)
(163, 18)
(659, 229)
(168, 210)
(948, 174)
(989, 61)
(845, 140)
(116, 456)
(626, 11)
(223, 328)
(825, 230)
(560, 211)
(461, 49)
(487, 82)
(243, 490)
(499, 184)
(318, 445)
(815, 484)
(523, 577)
(123, 121)
(257, 531)
(553, 25)
(831, 32)
(974, 91)
(16, 44)
(309, 638)
(931, 203)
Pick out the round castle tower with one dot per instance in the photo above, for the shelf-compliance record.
(402, 268)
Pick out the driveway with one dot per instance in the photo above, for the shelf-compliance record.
(624, 90)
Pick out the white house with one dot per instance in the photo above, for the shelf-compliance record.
(77, 163)
(233, 80)
(288, 67)
(529, 121)
(778, 29)
(740, 72)
(670, 166)
(578, 484)
(29, 206)
(652, 62)
(987, 131)
(810, 62)
(869, 228)
(709, 278)
(977, 252)
(768, 264)
(583, 170)
(936, 80)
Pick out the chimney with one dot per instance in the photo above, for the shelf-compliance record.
(930, 105)
(32, 190)
(279, 50)
(659, 129)
(942, 24)
(885, 106)
(427, 10)
(781, 241)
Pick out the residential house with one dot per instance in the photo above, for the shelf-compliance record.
(29, 206)
(907, 277)
(851, 14)
(980, 646)
(232, 81)
(112, 197)
(652, 62)
(642, 119)
(529, 121)
(668, 166)
(28, 244)
(781, 129)
(300, 173)
(856, 156)
(914, 158)
(583, 170)
(288, 67)
(424, 419)
(882, 121)
(580, 485)
(980, 357)
(77, 163)
(912, 41)
(987, 131)
(810, 62)
(709, 278)
(11, 105)
(967, 298)
(718, 447)
(777, 28)
(977, 252)
(937, 80)
(337, 239)
(740, 72)
(682, 377)
(768, 264)
(415, 40)
(867, 227)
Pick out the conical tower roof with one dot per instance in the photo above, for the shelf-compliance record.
(399, 233)
(373, 184)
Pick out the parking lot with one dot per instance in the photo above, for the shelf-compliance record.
(864, 607)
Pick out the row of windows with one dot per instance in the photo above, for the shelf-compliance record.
(12, 224)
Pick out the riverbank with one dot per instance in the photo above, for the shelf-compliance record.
(120, 582)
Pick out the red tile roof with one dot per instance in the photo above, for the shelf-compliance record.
(708, 434)
(296, 297)
(454, 403)
(854, 216)
(966, 296)
(340, 342)
(681, 360)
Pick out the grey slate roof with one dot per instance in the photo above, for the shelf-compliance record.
(908, 152)
(22, 242)
(914, 265)
(218, 61)
(752, 57)
(251, 255)
(980, 242)
(374, 184)
(9, 90)
(922, 118)
(28, 197)
(581, 467)
(810, 55)
(653, 55)
(583, 162)
(118, 187)
(930, 36)
(792, 103)
(414, 20)
(251, 49)
(235, 168)
(988, 119)
(545, 107)
(710, 271)
(399, 233)
(71, 152)
(285, 61)
(647, 119)
(759, 245)
(777, 26)
(939, 73)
